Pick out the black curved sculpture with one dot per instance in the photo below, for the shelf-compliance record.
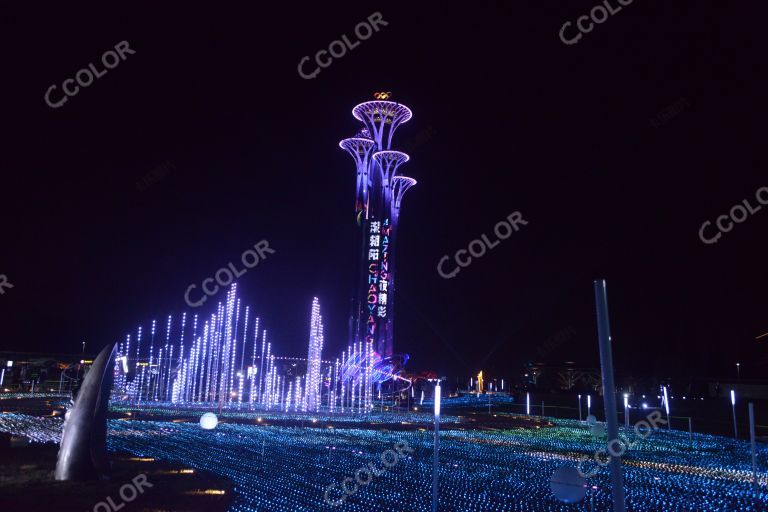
(83, 449)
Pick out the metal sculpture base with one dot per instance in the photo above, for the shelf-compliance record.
(83, 449)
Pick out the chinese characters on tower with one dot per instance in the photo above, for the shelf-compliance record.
(378, 273)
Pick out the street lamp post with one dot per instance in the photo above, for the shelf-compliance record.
(733, 409)
(738, 371)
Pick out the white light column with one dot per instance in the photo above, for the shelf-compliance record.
(435, 455)
(626, 410)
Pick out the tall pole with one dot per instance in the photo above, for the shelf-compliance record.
(609, 392)
(733, 409)
(579, 407)
(666, 406)
(435, 456)
(752, 442)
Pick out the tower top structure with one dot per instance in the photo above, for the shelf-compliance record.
(381, 118)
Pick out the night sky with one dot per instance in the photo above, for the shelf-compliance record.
(615, 150)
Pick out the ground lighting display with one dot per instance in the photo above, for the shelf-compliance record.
(277, 468)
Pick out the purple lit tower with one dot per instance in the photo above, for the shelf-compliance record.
(378, 197)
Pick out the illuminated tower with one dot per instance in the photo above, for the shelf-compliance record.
(378, 198)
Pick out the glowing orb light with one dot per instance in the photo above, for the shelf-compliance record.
(208, 421)
(568, 485)
(598, 429)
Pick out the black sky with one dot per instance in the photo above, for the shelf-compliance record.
(516, 119)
